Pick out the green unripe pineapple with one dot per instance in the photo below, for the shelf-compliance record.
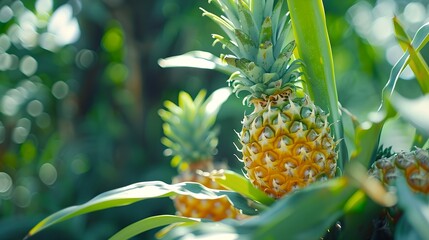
(191, 139)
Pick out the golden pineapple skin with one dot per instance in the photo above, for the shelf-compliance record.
(287, 144)
(215, 210)
(414, 166)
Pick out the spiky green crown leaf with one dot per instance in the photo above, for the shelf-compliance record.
(190, 134)
(258, 34)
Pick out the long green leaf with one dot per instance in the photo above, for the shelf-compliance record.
(314, 48)
(196, 59)
(296, 216)
(420, 39)
(140, 191)
(236, 182)
(306, 214)
(150, 223)
(417, 63)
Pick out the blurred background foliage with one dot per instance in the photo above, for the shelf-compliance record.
(80, 88)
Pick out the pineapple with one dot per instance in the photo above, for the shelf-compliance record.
(192, 141)
(413, 165)
(286, 140)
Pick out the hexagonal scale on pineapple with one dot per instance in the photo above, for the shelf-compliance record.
(284, 141)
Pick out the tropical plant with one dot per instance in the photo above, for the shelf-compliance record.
(351, 205)
(191, 138)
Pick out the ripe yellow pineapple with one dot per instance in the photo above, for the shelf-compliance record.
(414, 166)
(286, 140)
(191, 140)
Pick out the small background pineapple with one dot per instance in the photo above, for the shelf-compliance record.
(191, 140)
(414, 166)
(286, 140)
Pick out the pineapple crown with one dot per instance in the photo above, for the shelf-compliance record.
(190, 134)
(258, 34)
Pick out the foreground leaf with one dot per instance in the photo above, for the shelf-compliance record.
(238, 183)
(305, 214)
(150, 223)
(140, 191)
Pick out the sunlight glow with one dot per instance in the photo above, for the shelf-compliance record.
(64, 26)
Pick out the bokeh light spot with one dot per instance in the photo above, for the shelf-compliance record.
(21, 196)
(5, 182)
(382, 29)
(415, 12)
(9, 105)
(44, 6)
(6, 14)
(4, 43)
(5, 61)
(64, 26)
(35, 108)
(112, 41)
(393, 54)
(28, 65)
(21, 131)
(117, 72)
(48, 174)
(84, 58)
(47, 41)
(80, 165)
(43, 120)
(60, 89)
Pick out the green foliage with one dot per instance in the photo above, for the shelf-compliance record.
(78, 118)
(238, 183)
(137, 192)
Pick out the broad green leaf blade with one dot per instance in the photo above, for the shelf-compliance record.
(415, 111)
(140, 191)
(417, 63)
(305, 214)
(196, 59)
(150, 223)
(238, 183)
(314, 48)
(415, 207)
(420, 39)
